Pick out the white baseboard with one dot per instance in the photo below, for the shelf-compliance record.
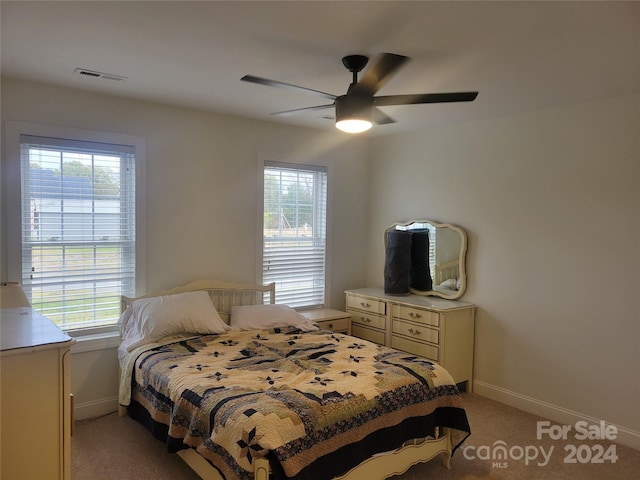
(95, 408)
(626, 436)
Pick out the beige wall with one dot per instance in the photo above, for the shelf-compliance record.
(202, 206)
(202, 177)
(551, 202)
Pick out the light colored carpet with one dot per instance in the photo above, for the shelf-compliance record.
(118, 448)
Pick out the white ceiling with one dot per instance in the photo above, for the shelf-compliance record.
(520, 56)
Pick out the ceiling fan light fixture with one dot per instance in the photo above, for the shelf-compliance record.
(353, 125)
(354, 114)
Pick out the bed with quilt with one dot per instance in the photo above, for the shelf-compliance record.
(243, 389)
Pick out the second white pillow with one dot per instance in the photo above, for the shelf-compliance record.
(262, 317)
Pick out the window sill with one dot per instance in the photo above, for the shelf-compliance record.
(95, 342)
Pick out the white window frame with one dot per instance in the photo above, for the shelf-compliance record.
(12, 186)
(294, 163)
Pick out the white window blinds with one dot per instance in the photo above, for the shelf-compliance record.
(294, 232)
(78, 229)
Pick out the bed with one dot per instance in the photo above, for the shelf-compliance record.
(447, 277)
(262, 392)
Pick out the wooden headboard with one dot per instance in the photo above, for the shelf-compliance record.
(446, 271)
(224, 295)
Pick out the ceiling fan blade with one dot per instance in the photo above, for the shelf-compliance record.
(275, 83)
(301, 110)
(424, 98)
(378, 74)
(381, 118)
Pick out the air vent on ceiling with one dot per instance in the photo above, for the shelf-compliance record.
(92, 73)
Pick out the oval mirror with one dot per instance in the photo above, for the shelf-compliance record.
(444, 248)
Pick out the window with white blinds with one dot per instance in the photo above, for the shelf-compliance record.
(78, 229)
(294, 232)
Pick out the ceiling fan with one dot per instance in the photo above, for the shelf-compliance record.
(356, 110)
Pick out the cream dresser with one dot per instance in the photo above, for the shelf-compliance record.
(438, 329)
(35, 403)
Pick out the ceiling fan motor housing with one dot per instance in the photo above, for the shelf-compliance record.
(354, 107)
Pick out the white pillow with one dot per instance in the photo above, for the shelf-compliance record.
(451, 284)
(149, 319)
(262, 317)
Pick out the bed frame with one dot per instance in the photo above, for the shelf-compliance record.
(446, 271)
(224, 295)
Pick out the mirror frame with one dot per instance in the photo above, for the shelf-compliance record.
(461, 259)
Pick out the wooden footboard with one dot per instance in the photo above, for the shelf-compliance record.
(379, 466)
(204, 469)
(399, 461)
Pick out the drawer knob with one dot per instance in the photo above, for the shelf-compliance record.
(415, 315)
(365, 319)
(365, 305)
(330, 326)
(415, 332)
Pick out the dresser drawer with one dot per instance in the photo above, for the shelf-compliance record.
(366, 304)
(367, 320)
(374, 336)
(335, 325)
(415, 331)
(416, 315)
(418, 348)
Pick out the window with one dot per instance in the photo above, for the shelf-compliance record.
(78, 228)
(294, 232)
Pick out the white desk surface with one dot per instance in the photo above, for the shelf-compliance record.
(24, 328)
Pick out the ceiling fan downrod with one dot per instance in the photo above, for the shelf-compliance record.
(355, 64)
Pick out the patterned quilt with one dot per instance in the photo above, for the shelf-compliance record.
(316, 404)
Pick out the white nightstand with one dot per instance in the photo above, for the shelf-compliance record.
(330, 319)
